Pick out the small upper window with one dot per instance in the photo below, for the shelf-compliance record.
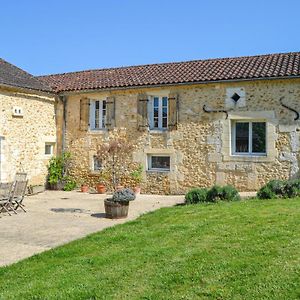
(97, 164)
(159, 163)
(158, 113)
(97, 114)
(249, 138)
(49, 148)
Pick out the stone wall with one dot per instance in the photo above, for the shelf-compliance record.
(23, 137)
(200, 147)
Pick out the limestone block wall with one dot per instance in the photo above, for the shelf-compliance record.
(200, 147)
(23, 137)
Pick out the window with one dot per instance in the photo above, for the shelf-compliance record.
(97, 114)
(49, 148)
(97, 163)
(159, 163)
(249, 138)
(158, 113)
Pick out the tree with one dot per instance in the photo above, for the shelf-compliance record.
(112, 156)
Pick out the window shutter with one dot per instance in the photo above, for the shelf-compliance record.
(84, 114)
(173, 107)
(142, 116)
(110, 121)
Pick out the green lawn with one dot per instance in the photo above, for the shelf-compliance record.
(241, 250)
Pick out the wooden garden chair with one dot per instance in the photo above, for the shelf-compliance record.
(18, 194)
(20, 176)
(6, 190)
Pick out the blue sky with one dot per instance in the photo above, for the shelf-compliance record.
(54, 36)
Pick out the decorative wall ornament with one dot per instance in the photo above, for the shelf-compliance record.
(209, 110)
(291, 109)
(235, 97)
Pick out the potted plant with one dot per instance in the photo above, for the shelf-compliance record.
(113, 154)
(84, 188)
(58, 171)
(117, 206)
(100, 186)
(137, 177)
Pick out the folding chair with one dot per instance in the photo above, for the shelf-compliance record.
(5, 198)
(18, 194)
(20, 176)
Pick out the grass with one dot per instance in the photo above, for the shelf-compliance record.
(238, 250)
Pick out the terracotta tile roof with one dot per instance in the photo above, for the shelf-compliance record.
(238, 68)
(13, 76)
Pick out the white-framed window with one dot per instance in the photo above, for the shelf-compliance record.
(97, 114)
(158, 112)
(159, 162)
(49, 148)
(97, 164)
(249, 137)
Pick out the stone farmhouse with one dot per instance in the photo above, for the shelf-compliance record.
(197, 123)
(27, 124)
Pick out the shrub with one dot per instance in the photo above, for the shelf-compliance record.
(124, 195)
(137, 174)
(277, 186)
(216, 193)
(57, 168)
(196, 195)
(266, 193)
(70, 184)
(230, 193)
(222, 193)
(292, 188)
(280, 188)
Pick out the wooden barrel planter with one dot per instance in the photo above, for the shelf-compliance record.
(116, 210)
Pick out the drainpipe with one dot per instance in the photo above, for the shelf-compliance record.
(63, 99)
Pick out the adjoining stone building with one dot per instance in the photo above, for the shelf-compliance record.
(198, 123)
(27, 125)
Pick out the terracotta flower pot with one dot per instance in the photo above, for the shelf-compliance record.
(84, 188)
(137, 190)
(116, 210)
(101, 189)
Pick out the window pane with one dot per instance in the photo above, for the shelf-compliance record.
(164, 122)
(97, 164)
(259, 137)
(164, 112)
(155, 123)
(165, 101)
(242, 137)
(48, 149)
(103, 113)
(97, 118)
(155, 102)
(160, 162)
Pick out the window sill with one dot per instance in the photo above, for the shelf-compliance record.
(249, 158)
(158, 171)
(249, 154)
(158, 131)
(97, 131)
(94, 172)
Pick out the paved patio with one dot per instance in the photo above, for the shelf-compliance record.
(54, 218)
